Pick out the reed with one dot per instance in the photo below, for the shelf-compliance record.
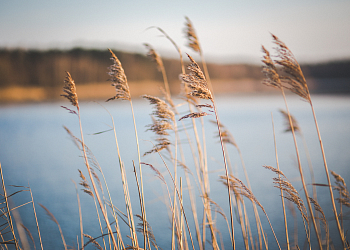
(198, 100)
(273, 79)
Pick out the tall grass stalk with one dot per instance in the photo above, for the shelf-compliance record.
(228, 139)
(8, 211)
(298, 130)
(36, 218)
(202, 178)
(119, 80)
(282, 196)
(52, 217)
(197, 83)
(71, 95)
(80, 217)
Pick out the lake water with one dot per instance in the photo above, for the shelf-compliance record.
(35, 150)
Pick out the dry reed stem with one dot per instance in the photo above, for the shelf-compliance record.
(201, 161)
(161, 177)
(131, 222)
(52, 217)
(69, 81)
(94, 163)
(36, 219)
(291, 194)
(120, 241)
(148, 230)
(8, 211)
(229, 139)
(279, 177)
(119, 80)
(98, 246)
(246, 192)
(80, 217)
(178, 196)
(144, 230)
(29, 234)
(298, 129)
(22, 235)
(88, 190)
(322, 219)
(196, 82)
(165, 121)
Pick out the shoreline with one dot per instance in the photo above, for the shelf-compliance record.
(103, 91)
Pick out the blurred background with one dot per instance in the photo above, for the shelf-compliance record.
(40, 40)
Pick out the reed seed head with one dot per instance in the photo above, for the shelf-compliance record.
(118, 79)
(272, 78)
(196, 81)
(162, 109)
(154, 56)
(239, 187)
(291, 194)
(294, 79)
(287, 123)
(70, 90)
(344, 197)
(148, 230)
(84, 184)
(194, 115)
(163, 143)
(227, 137)
(319, 209)
(164, 122)
(91, 239)
(191, 35)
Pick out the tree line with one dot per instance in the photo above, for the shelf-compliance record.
(37, 68)
(21, 67)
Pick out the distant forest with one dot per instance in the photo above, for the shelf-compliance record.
(19, 67)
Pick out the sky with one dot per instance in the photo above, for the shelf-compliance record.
(228, 30)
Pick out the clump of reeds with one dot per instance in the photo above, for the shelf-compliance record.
(274, 79)
(292, 78)
(70, 94)
(282, 73)
(196, 82)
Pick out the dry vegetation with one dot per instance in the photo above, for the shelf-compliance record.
(169, 125)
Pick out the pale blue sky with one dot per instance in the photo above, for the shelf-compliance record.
(233, 30)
